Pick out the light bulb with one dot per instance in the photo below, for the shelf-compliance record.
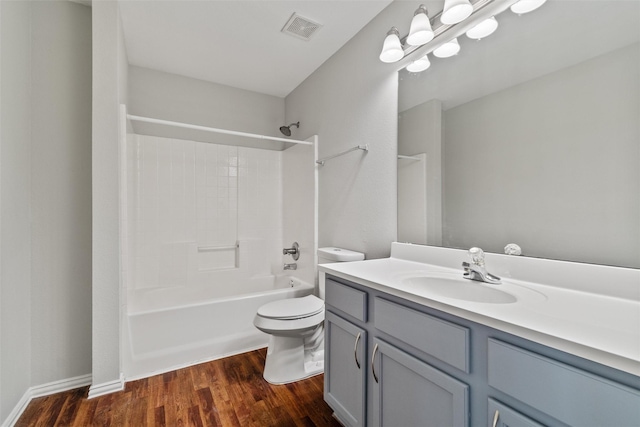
(525, 6)
(419, 65)
(392, 49)
(483, 29)
(447, 49)
(455, 11)
(420, 31)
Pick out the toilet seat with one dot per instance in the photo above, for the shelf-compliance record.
(292, 308)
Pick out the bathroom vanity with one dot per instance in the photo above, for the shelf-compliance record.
(409, 342)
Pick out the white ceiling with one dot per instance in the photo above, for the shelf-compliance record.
(239, 43)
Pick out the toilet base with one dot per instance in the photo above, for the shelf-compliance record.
(288, 361)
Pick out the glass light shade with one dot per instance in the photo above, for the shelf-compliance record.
(419, 65)
(483, 29)
(420, 31)
(391, 49)
(455, 11)
(525, 6)
(448, 49)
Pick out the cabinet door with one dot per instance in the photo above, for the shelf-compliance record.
(409, 392)
(345, 369)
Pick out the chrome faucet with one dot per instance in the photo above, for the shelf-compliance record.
(292, 266)
(476, 269)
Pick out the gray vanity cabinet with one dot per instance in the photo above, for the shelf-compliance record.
(380, 384)
(345, 370)
(390, 362)
(410, 392)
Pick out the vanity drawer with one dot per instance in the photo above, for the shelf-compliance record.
(569, 394)
(347, 299)
(503, 416)
(438, 338)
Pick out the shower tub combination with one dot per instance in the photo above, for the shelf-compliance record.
(203, 309)
(170, 328)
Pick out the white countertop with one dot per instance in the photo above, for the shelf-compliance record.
(595, 326)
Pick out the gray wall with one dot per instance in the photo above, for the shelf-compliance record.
(45, 216)
(61, 191)
(15, 204)
(167, 96)
(352, 99)
(551, 164)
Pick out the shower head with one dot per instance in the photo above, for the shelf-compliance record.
(286, 130)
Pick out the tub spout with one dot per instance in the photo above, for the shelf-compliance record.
(292, 266)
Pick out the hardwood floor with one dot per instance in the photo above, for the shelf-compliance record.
(224, 392)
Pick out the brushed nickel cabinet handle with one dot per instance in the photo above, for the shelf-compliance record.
(355, 350)
(373, 361)
(495, 418)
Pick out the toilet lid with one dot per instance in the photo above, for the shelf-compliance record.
(292, 308)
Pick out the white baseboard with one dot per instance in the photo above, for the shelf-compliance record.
(13, 417)
(59, 386)
(105, 388)
(44, 390)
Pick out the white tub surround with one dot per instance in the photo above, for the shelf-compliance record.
(591, 311)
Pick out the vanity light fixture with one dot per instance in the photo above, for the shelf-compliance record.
(392, 48)
(426, 37)
(447, 49)
(526, 6)
(420, 31)
(419, 65)
(455, 11)
(483, 29)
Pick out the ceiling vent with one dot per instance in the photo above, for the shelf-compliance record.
(300, 27)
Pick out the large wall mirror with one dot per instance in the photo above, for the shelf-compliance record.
(530, 136)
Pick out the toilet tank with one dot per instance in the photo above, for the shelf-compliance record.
(330, 254)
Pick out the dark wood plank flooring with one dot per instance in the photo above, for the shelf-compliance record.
(224, 392)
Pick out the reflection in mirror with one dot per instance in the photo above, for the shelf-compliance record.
(530, 136)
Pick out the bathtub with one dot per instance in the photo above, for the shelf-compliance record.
(167, 329)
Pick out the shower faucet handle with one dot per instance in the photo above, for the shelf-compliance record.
(294, 251)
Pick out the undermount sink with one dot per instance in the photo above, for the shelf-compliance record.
(462, 289)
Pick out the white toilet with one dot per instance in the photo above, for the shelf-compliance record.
(296, 326)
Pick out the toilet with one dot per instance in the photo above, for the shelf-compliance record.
(296, 329)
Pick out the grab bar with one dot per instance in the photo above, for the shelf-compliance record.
(364, 147)
(217, 248)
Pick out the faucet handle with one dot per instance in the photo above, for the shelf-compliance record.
(477, 256)
(294, 251)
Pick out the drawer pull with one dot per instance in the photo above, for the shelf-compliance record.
(373, 363)
(355, 350)
(495, 418)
